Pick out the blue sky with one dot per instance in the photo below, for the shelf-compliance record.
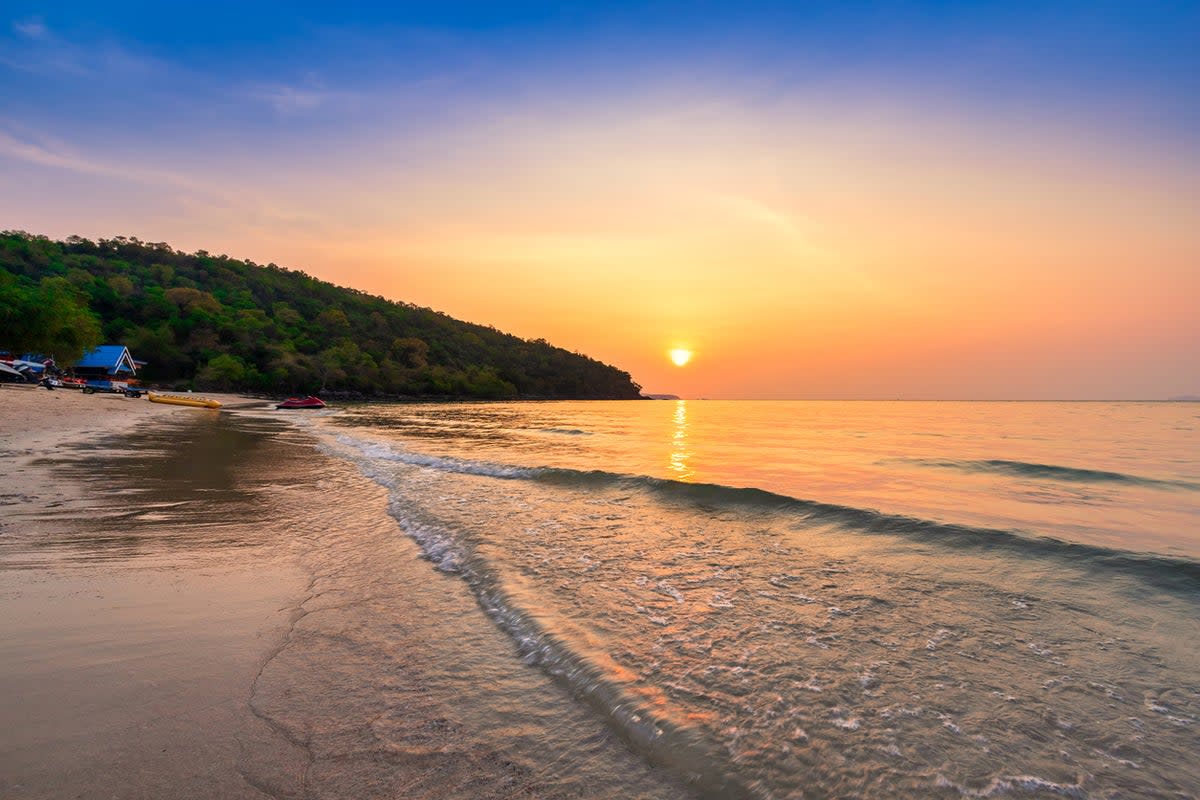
(136, 58)
(885, 155)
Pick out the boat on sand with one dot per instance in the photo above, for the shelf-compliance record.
(302, 402)
(184, 400)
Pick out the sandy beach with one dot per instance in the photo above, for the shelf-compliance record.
(201, 604)
(131, 631)
(462, 601)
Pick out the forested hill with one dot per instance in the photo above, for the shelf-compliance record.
(221, 323)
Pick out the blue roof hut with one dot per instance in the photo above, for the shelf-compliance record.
(106, 361)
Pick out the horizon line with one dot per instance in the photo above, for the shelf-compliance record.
(1187, 399)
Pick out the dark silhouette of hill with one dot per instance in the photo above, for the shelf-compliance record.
(222, 323)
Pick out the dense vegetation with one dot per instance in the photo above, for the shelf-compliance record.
(220, 323)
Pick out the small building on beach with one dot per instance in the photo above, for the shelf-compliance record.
(106, 361)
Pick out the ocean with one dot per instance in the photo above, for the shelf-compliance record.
(765, 599)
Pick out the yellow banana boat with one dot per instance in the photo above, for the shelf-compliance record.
(184, 400)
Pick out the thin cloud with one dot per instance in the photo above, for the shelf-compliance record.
(289, 99)
(294, 100)
(37, 150)
(36, 153)
(32, 28)
(238, 206)
(35, 48)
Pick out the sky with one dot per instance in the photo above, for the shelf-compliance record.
(820, 200)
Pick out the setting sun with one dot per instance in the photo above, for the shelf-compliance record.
(680, 357)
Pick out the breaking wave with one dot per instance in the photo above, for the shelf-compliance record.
(1169, 572)
(1053, 472)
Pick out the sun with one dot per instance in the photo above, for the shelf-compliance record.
(680, 356)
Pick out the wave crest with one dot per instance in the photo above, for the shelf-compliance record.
(1165, 571)
(1054, 472)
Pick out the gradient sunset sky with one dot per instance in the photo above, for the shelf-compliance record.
(822, 200)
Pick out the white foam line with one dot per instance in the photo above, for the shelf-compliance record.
(385, 452)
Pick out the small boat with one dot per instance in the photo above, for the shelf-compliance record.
(10, 374)
(184, 400)
(302, 402)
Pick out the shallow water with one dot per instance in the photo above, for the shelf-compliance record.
(211, 608)
(816, 599)
(594, 600)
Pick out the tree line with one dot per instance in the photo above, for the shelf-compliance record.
(215, 322)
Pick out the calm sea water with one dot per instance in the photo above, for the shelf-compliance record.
(795, 599)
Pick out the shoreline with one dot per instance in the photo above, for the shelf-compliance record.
(134, 622)
(24, 410)
(204, 604)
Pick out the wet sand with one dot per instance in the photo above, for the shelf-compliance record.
(198, 605)
(136, 603)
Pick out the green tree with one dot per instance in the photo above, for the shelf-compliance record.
(286, 330)
(121, 285)
(223, 372)
(50, 318)
(411, 352)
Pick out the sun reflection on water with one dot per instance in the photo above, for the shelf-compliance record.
(680, 451)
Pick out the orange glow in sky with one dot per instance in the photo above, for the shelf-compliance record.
(841, 239)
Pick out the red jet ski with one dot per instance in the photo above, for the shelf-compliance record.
(302, 402)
